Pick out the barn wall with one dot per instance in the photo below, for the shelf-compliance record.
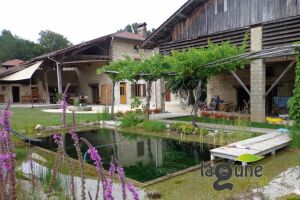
(215, 16)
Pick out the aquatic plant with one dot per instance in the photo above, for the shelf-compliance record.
(131, 120)
(154, 126)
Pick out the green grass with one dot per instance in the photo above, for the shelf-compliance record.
(24, 120)
(229, 122)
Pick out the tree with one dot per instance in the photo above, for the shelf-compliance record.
(190, 66)
(12, 47)
(52, 41)
(192, 63)
(150, 70)
(133, 28)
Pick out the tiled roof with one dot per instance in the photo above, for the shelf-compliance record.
(13, 62)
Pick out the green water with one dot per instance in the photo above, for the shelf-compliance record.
(144, 158)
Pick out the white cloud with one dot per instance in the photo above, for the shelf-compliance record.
(80, 20)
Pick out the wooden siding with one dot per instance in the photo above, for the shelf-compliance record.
(234, 36)
(240, 13)
(281, 33)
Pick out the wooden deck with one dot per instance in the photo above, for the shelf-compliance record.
(260, 145)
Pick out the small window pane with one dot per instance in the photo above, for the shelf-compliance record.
(140, 149)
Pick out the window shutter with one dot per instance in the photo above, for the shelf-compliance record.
(144, 90)
(133, 90)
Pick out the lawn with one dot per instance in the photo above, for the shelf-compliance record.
(230, 122)
(24, 120)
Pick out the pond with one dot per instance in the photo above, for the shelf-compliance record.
(144, 158)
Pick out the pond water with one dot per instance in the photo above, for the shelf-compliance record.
(144, 158)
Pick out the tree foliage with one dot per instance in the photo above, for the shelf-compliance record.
(133, 28)
(190, 65)
(52, 41)
(12, 46)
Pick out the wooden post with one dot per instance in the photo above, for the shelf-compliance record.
(46, 86)
(280, 77)
(31, 94)
(240, 82)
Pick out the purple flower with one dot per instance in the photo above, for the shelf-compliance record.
(5, 124)
(74, 135)
(133, 191)
(5, 160)
(94, 155)
(121, 175)
(63, 106)
(112, 168)
(57, 138)
(108, 189)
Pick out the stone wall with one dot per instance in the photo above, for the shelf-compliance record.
(225, 86)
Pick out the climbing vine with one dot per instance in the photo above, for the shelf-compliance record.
(294, 101)
(294, 106)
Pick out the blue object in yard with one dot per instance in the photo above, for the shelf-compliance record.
(282, 130)
(281, 102)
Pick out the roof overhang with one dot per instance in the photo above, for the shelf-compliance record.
(23, 74)
(164, 30)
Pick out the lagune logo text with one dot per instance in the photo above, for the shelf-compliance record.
(224, 172)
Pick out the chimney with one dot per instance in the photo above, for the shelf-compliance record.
(142, 28)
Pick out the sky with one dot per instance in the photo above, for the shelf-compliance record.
(82, 20)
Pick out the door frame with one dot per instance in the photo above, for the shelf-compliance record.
(123, 98)
(12, 93)
(92, 86)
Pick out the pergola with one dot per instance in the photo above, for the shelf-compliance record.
(277, 52)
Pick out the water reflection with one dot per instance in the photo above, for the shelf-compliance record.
(144, 158)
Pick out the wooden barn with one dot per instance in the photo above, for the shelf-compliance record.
(266, 84)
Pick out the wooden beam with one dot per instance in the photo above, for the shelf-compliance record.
(240, 82)
(280, 77)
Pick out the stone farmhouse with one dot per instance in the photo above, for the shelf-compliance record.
(40, 79)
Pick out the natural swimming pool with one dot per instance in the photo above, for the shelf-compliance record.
(144, 157)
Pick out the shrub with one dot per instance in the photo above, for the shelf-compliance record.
(76, 103)
(131, 119)
(176, 127)
(119, 114)
(136, 102)
(154, 126)
(187, 128)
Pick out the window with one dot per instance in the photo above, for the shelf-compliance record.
(140, 149)
(138, 90)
